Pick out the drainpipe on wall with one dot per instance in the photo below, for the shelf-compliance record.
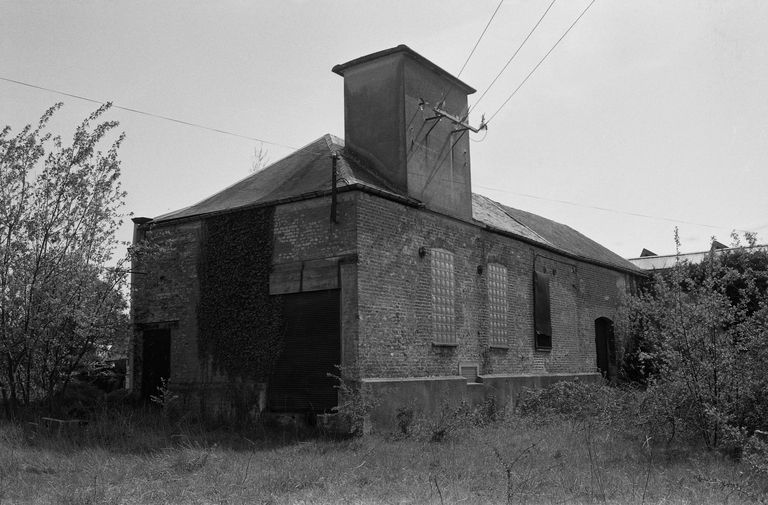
(334, 183)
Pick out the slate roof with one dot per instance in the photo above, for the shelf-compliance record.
(307, 173)
(299, 175)
(567, 239)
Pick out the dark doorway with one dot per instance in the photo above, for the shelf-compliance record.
(156, 360)
(312, 350)
(604, 343)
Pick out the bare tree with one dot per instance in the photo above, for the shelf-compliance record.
(260, 159)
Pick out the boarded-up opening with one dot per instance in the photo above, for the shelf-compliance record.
(605, 346)
(542, 314)
(312, 350)
(156, 360)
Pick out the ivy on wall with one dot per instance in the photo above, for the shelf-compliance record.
(240, 324)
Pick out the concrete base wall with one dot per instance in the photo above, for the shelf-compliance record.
(426, 396)
(220, 401)
(423, 396)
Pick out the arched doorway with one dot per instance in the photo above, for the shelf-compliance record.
(606, 347)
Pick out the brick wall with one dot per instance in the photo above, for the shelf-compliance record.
(165, 292)
(303, 230)
(396, 333)
(386, 304)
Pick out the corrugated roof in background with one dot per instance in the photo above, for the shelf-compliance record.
(662, 262)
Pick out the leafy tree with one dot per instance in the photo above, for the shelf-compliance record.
(698, 335)
(61, 298)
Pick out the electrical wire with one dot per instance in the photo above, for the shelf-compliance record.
(444, 91)
(604, 209)
(479, 39)
(540, 62)
(513, 55)
(315, 153)
(150, 114)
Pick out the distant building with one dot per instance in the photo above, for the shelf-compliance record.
(370, 253)
(651, 261)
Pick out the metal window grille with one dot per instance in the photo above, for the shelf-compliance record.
(443, 296)
(497, 304)
(542, 314)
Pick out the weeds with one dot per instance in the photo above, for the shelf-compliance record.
(191, 458)
(587, 455)
(355, 405)
(165, 398)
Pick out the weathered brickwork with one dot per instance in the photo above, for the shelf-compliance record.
(303, 230)
(396, 330)
(384, 252)
(394, 247)
(165, 292)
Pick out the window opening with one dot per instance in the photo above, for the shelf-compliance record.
(497, 305)
(542, 313)
(443, 296)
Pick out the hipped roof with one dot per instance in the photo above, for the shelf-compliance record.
(307, 173)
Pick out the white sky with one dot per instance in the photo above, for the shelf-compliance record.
(647, 107)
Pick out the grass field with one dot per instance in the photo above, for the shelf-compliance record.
(136, 457)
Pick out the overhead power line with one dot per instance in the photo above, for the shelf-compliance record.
(150, 114)
(513, 55)
(606, 209)
(479, 39)
(540, 61)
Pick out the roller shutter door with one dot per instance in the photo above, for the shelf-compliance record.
(312, 349)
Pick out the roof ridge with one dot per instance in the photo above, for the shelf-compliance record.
(332, 140)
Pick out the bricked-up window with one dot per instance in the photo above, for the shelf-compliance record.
(497, 305)
(443, 296)
(542, 315)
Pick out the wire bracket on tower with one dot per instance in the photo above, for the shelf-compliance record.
(460, 123)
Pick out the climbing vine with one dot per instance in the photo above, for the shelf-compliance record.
(241, 325)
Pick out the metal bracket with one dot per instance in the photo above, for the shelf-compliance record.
(459, 121)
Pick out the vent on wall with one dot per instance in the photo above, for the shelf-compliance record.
(470, 371)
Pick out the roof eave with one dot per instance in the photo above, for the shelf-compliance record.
(305, 196)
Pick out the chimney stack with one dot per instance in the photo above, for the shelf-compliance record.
(405, 116)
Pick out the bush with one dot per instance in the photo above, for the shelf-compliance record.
(696, 336)
(572, 399)
(355, 404)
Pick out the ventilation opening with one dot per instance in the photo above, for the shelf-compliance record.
(470, 371)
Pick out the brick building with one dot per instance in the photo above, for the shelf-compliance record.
(372, 254)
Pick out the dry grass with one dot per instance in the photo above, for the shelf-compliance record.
(137, 457)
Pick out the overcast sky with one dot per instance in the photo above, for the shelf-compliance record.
(646, 108)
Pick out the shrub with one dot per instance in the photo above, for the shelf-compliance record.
(355, 405)
(572, 399)
(405, 417)
(697, 336)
